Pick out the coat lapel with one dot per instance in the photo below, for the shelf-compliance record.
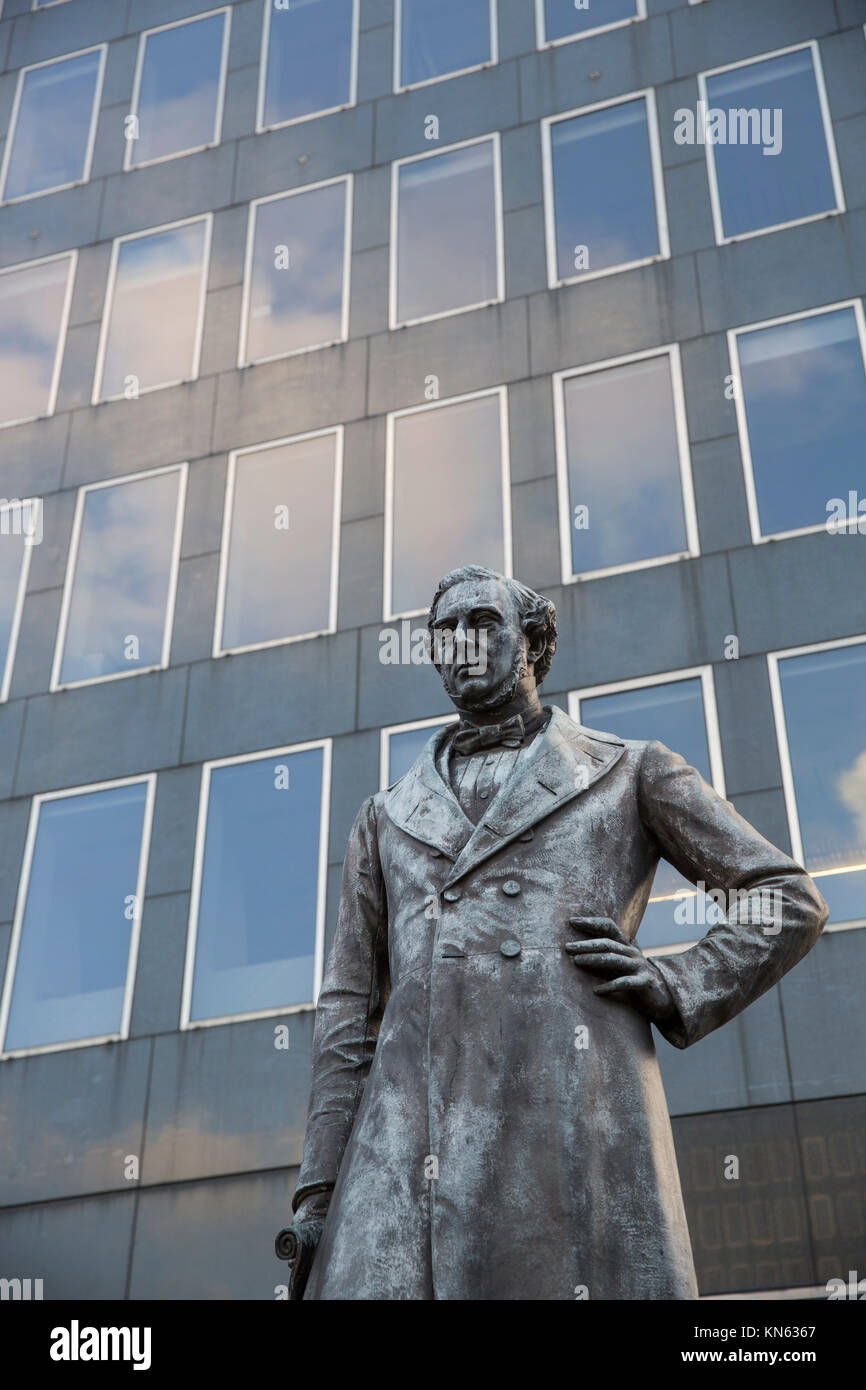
(425, 806)
(561, 764)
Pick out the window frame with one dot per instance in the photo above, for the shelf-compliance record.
(549, 195)
(62, 332)
(781, 728)
(505, 473)
(148, 778)
(102, 50)
(494, 138)
(128, 162)
(389, 729)
(246, 294)
(542, 42)
(711, 724)
(757, 535)
(207, 218)
(35, 6)
(55, 683)
(186, 1024)
(218, 650)
(399, 86)
(261, 93)
(690, 516)
(18, 605)
(829, 141)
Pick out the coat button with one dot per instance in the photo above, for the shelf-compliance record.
(452, 895)
(510, 948)
(436, 854)
(511, 887)
(484, 795)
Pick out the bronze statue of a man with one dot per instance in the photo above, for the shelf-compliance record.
(487, 1118)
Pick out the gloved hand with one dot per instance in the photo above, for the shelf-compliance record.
(297, 1243)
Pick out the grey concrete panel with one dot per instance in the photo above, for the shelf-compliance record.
(120, 72)
(811, 590)
(239, 114)
(159, 975)
(11, 724)
(222, 322)
(371, 208)
(203, 513)
(525, 261)
(532, 448)
(746, 725)
(31, 457)
(65, 743)
(355, 770)
(535, 527)
(269, 698)
(172, 838)
(31, 673)
(842, 61)
(88, 1119)
(720, 494)
(332, 907)
(14, 818)
(851, 12)
(619, 313)
(79, 364)
(516, 28)
(48, 559)
(228, 247)
(824, 1018)
(360, 593)
(226, 1099)
(375, 63)
(170, 425)
(396, 694)
(195, 609)
(468, 352)
(376, 12)
(595, 68)
(54, 222)
(91, 281)
(476, 104)
(670, 98)
(212, 1240)
(687, 194)
(167, 192)
(741, 1064)
(850, 142)
(108, 149)
(146, 14)
(765, 810)
(290, 396)
(710, 35)
(79, 1249)
(368, 310)
(363, 469)
(522, 184)
(63, 29)
(706, 367)
(246, 35)
(304, 153)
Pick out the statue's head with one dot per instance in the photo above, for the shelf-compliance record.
(490, 637)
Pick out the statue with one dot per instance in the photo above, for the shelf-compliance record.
(487, 1118)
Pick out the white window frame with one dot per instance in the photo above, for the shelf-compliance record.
(543, 41)
(499, 231)
(657, 172)
(128, 161)
(714, 742)
(97, 397)
(218, 650)
(833, 159)
(24, 886)
(690, 516)
(186, 1023)
(400, 86)
(102, 50)
(385, 740)
(505, 466)
(773, 659)
(758, 536)
(35, 6)
(243, 360)
(312, 115)
(20, 592)
(72, 257)
(72, 561)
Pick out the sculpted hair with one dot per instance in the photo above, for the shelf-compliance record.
(537, 614)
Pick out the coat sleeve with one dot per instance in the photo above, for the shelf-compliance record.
(350, 1006)
(775, 918)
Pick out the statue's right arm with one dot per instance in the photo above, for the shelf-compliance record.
(350, 1005)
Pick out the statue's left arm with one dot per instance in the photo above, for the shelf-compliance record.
(709, 842)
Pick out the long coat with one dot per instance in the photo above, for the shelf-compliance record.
(481, 1146)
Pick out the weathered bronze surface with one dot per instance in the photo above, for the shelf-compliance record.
(487, 1118)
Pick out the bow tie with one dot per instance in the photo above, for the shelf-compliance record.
(470, 737)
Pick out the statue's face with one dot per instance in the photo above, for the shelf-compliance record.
(484, 613)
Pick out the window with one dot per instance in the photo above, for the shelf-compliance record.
(179, 88)
(678, 709)
(819, 696)
(446, 232)
(118, 601)
(561, 20)
(53, 125)
(154, 310)
(20, 530)
(446, 495)
(46, 4)
(34, 310)
(625, 490)
(801, 410)
(309, 60)
(604, 193)
(257, 914)
(281, 532)
(296, 289)
(769, 143)
(401, 745)
(440, 38)
(75, 938)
